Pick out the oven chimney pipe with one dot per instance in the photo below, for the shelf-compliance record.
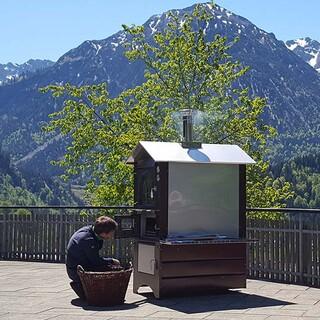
(187, 123)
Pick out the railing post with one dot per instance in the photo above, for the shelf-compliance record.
(4, 235)
(301, 247)
(62, 219)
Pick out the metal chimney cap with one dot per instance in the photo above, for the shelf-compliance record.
(186, 112)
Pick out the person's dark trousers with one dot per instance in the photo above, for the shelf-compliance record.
(75, 284)
(78, 289)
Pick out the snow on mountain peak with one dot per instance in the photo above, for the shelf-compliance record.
(307, 49)
(315, 61)
(302, 42)
(153, 25)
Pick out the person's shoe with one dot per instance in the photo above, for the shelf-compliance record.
(77, 288)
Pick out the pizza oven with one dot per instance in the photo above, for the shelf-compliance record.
(190, 202)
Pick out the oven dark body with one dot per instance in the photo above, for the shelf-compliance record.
(176, 267)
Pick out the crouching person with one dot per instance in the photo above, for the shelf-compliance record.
(83, 249)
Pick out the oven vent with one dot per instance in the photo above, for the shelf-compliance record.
(187, 125)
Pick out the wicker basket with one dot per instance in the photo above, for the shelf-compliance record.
(104, 288)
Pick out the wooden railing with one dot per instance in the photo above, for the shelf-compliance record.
(42, 233)
(287, 247)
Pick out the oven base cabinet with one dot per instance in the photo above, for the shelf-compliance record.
(173, 269)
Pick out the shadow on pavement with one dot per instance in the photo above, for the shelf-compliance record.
(126, 306)
(228, 300)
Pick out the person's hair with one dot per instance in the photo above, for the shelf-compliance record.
(104, 225)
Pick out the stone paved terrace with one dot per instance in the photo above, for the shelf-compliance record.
(39, 291)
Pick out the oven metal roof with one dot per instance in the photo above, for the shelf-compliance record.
(208, 153)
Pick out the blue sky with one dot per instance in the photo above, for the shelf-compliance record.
(47, 29)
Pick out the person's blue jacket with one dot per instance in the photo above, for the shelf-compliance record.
(83, 249)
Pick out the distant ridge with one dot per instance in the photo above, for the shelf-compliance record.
(307, 49)
(11, 72)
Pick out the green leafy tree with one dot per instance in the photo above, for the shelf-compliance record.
(184, 68)
(104, 131)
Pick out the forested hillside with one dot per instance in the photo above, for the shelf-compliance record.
(304, 174)
(21, 188)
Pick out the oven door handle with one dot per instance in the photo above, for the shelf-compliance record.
(154, 263)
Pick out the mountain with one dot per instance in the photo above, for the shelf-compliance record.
(12, 72)
(307, 49)
(291, 86)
